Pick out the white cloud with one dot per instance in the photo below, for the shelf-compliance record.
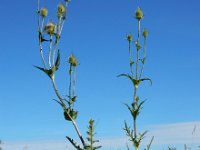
(178, 133)
(166, 134)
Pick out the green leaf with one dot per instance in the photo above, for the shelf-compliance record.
(74, 143)
(42, 69)
(57, 63)
(135, 82)
(146, 79)
(49, 72)
(70, 114)
(130, 109)
(58, 102)
(149, 145)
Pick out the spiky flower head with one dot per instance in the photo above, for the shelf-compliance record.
(72, 60)
(43, 12)
(50, 28)
(129, 37)
(61, 10)
(145, 33)
(139, 14)
(138, 46)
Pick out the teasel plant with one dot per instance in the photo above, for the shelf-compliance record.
(136, 65)
(50, 34)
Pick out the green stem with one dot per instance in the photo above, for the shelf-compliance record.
(134, 121)
(74, 82)
(143, 58)
(130, 57)
(40, 36)
(70, 85)
(135, 86)
(137, 57)
(57, 40)
(137, 62)
(64, 106)
(50, 49)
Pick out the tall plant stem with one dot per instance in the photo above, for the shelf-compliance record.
(137, 57)
(50, 50)
(70, 85)
(134, 119)
(40, 36)
(57, 39)
(136, 86)
(143, 58)
(64, 106)
(74, 82)
(130, 57)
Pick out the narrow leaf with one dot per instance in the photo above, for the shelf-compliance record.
(74, 143)
(146, 79)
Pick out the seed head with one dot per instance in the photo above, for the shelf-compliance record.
(138, 46)
(72, 60)
(139, 14)
(145, 33)
(129, 37)
(43, 12)
(50, 28)
(61, 10)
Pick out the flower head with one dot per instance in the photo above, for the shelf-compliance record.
(61, 10)
(43, 12)
(139, 14)
(50, 28)
(145, 33)
(72, 60)
(129, 37)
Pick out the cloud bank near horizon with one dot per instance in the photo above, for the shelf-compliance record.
(166, 134)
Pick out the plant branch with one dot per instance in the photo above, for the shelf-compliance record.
(50, 50)
(144, 59)
(64, 106)
(40, 36)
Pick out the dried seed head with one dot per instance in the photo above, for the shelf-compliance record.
(61, 10)
(50, 28)
(139, 14)
(129, 37)
(145, 33)
(43, 12)
(138, 46)
(72, 60)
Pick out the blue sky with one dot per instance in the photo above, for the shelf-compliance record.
(95, 32)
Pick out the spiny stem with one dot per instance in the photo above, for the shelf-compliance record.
(135, 86)
(143, 58)
(74, 82)
(73, 121)
(62, 24)
(40, 36)
(70, 85)
(50, 49)
(130, 57)
(134, 121)
(137, 62)
(42, 25)
(57, 40)
(54, 51)
(137, 57)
